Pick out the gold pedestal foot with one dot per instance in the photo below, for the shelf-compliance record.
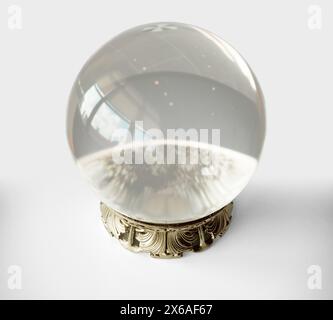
(166, 240)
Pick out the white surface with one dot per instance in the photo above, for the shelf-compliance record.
(49, 219)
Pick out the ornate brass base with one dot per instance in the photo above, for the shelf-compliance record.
(166, 240)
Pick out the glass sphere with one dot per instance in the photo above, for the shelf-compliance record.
(166, 121)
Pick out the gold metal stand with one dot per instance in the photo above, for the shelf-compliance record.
(166, 240)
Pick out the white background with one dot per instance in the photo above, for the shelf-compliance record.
(49, 218)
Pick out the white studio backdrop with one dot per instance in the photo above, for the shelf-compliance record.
(52, 241)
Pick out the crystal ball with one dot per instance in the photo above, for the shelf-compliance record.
(166, 121)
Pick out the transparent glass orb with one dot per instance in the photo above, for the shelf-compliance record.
(166, 121)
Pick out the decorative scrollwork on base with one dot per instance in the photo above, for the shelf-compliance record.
(166, 240)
